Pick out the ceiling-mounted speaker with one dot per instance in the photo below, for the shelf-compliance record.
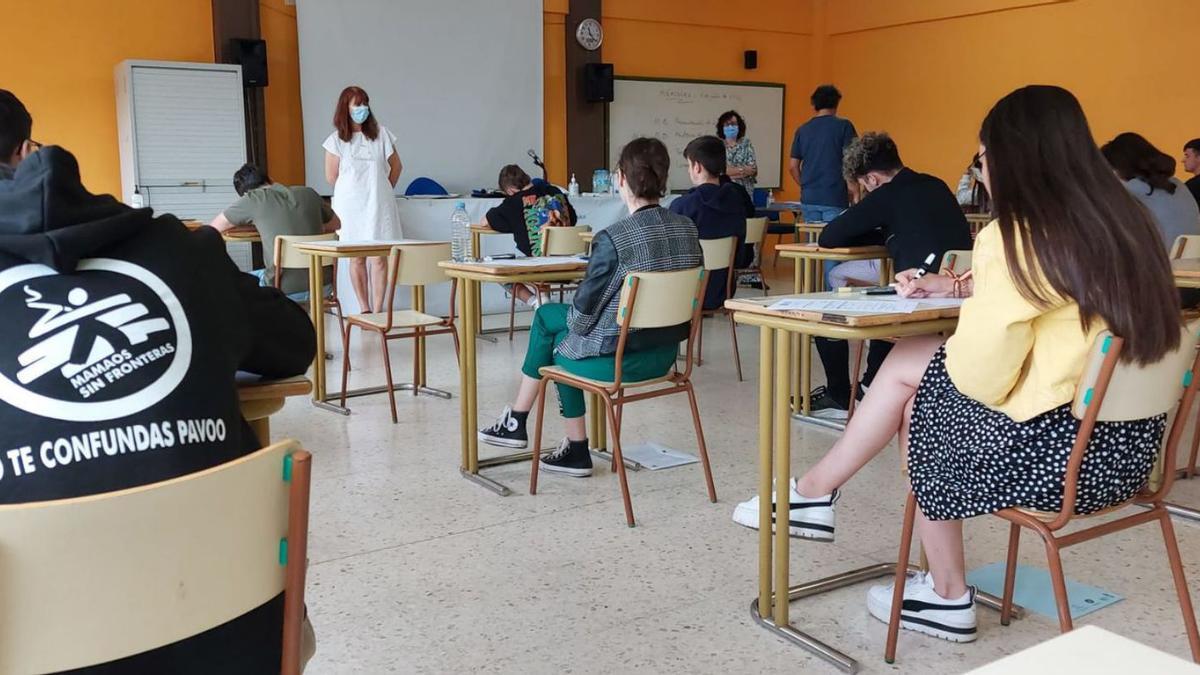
(598, 82)
(252, 56)
(751, 57)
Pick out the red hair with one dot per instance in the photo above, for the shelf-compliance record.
(341, 114)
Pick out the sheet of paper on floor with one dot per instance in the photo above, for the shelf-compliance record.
(656, 456)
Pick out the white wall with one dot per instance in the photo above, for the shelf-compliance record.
(458, 81)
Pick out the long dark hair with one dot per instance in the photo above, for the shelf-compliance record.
(1132, 156)
(1078, 228)
(341, 114)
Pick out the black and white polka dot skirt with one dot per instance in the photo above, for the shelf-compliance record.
(965, 459)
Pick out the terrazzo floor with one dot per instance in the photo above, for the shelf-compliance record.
(415, 570)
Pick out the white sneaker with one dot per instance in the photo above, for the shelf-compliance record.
(535, 298)
(925, 611)
(807, 518)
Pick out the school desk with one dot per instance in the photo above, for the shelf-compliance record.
(776, 351)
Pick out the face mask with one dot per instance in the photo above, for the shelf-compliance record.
(359, 113)
(731, 131)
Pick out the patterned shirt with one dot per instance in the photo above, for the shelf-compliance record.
(742, 154)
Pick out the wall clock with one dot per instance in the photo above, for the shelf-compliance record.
(589, 34)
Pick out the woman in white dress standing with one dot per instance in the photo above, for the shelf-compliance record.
(362, 166)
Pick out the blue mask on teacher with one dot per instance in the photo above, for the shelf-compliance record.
(359, 113)
(731, 131)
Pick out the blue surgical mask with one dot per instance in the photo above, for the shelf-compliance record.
(359, 113)
(731, 131)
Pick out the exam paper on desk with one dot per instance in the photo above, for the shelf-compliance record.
(874, 305)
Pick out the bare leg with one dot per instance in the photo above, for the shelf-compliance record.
(527, 394)
(379, 282)
(943, 544)
(876, 420)
(358, 279)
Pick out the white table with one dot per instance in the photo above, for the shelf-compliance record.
(1091, 650)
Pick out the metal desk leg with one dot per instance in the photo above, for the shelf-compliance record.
(470, 440)
(598, 434)
(317, 307)
(782, 440)
(766, 346)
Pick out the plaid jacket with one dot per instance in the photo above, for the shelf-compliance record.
(650, 240)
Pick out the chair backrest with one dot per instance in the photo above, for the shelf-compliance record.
(718, 253)
(88, 580)
(417, 264)
(958, 262)
(564, 240)
(1135, 392)
(286, 255)
(1186, 246)
(755, 228)
(662, 299)
(425, 186)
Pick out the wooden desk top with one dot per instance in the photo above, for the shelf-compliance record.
(243, 233)
(357, 249)
(255, 388)
(814, 251)
(499, 272)
(1089, 649)
(484, 229)
(759, 305)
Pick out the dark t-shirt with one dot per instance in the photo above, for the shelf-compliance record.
(818, 144)
(276, 210)
(1193, 186)
(525, 213)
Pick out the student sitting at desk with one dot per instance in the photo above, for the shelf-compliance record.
(582, 337)
(526, 209)
(276, 209)
(913, 214)
(122, 334)
(1149, 175)
(719, 210)
(985, 417)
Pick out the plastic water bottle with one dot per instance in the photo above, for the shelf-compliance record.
(460, 233)
(573, 187)
(770, 197)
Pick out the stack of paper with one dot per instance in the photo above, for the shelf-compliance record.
(866, 305)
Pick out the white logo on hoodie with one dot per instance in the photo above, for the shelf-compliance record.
(104, 342)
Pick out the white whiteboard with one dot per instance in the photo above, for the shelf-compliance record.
(676, 111)
(458, 81)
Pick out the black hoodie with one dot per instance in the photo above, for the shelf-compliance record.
(122, 334)
(719, 211)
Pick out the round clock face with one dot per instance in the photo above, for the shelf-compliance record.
(589, 34)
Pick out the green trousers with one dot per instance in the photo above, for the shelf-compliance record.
(550, 327)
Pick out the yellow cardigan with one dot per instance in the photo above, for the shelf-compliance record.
(1009, 354)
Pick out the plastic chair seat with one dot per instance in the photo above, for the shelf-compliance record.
(401, 318)
(558, 373)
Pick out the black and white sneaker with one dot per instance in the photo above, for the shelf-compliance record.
(924, 611)
(571, 458)
(507, 432)
(807, 518)
(822, 405)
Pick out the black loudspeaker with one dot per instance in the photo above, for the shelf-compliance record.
(598, 82)
(751, 56)
(252, 56)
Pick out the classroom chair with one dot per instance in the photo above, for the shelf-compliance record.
(555, 241)
(957, 262)
(719, 254)
(414, 265)
(286, 257)
(425, 186)
(648, 300)
(1108, 391)
(755, 234)
(1188, 246)
(93, 579)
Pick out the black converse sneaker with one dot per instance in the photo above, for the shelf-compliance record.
(571, 458)
(508, 431)
(823, 406)
(925, 611)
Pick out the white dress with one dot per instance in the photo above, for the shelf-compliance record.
(362, 196)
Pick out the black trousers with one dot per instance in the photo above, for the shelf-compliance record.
(835, 358)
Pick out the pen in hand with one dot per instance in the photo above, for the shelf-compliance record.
(925, 266)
